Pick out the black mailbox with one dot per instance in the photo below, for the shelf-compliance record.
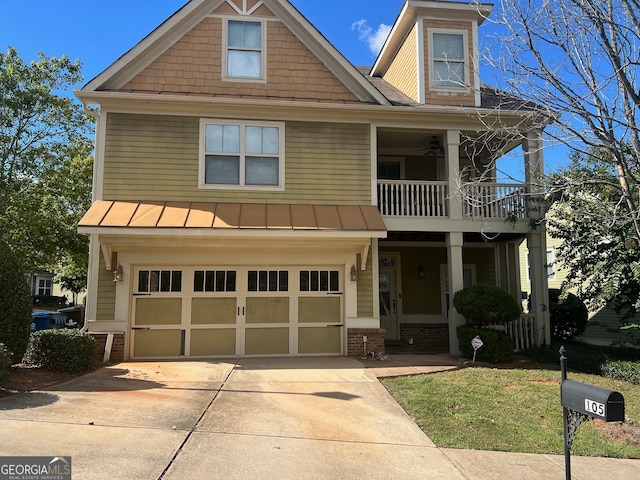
(593, 401)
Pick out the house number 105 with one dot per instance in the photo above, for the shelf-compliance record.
(594, 407)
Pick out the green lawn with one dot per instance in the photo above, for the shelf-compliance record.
(512, 410)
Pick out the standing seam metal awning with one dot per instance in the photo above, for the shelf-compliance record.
(103, 216)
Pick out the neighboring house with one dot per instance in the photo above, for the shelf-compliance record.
(604, 323)
(256, 194)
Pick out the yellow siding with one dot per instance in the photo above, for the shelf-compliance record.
(403, 71)
(365, 288)
(155, 158)
(106, 291)
(484, 260)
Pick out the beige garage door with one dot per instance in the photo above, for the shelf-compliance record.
(222, 311)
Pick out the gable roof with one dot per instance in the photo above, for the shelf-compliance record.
(194, 11)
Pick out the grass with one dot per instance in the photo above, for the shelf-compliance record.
(512, 410)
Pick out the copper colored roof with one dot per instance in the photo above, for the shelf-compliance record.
(217, 216)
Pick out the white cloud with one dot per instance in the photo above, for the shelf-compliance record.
(373, 38)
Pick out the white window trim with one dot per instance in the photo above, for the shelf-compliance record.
(263, 50)
(467, 59)
(241, 185)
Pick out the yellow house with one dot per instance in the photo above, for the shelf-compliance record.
(257, 194)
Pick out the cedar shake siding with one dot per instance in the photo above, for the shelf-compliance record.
(193, 65)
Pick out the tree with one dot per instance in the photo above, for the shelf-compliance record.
(15, 298)
(598, 239)
(45, 164)
(579, 58)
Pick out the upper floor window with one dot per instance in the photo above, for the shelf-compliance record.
(242, 155)
(448, 66)
(245, 53)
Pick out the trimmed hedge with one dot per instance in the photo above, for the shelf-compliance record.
(15, 303)
(568, 315)
(62, 350)
(626, 371)
(483, 305)
(5, 363)
(498, 346)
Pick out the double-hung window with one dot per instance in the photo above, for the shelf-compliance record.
(448, 54)
(245, 53)
(242, 155)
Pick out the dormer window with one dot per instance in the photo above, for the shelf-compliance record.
(244, 50)
(448, 66)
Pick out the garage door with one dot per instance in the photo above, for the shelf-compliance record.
(222, 311)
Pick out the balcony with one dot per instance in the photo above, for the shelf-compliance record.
(417, 199)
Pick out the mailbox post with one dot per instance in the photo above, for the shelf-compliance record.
(582, 402)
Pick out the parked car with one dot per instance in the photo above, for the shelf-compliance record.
(48, 320)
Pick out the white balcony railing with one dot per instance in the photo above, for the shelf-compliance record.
(412, 198)
(494, 200)
(522, 330)
(407, 198)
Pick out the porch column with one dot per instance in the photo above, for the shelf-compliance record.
(452, 154)
(456, 282)
(537, 245)
(534, 170)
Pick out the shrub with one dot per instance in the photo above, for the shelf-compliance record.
(483, 305)
(498, 346)
(61, 350)
(568, 315)
(15, 299)
(5, 363)
(626, 371)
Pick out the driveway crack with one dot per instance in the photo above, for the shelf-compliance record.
(197, 422)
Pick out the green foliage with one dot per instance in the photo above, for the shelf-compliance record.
(582, 357)
(45, 163)
(15, 302)
(485, 305)
(599, 247)
(626, 371)
(568, 315)
(61, 350)
(49, 301)
(498, 346)
(5, 363)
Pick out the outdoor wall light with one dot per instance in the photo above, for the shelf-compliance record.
(420, 271)
(354, 273)
(117, 275)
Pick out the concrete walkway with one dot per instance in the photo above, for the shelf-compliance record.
(276, 418)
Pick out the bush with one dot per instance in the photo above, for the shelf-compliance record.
(61, 350)
(483, 305)
(15, 299)
(568, 315)
(5, 363)
(498, 346)
(626, 371)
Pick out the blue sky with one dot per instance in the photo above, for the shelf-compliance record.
(98, 33)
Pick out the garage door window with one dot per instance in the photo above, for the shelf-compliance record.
(159, 281)
(214, 281)
(319, 281)
(268, 281)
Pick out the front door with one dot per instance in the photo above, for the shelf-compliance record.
(388, 303)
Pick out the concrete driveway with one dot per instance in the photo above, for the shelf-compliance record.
(276, 418)
(284, 418)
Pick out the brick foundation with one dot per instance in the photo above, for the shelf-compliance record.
(117, 347)
(427, 337)
(355, 345)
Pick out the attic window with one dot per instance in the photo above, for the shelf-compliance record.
(448, 51)
(244, 50)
